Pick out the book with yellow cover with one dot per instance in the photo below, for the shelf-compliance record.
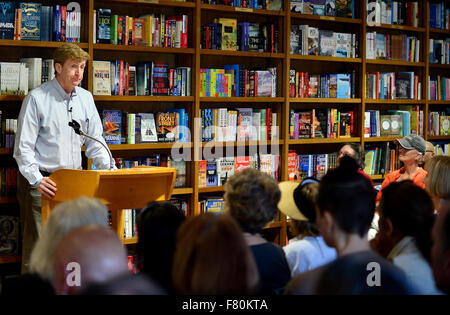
(229, 33)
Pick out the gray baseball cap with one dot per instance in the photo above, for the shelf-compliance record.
(413, 142)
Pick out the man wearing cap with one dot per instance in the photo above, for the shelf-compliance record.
(411, 150)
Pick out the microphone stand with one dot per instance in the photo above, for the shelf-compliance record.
(76, 127)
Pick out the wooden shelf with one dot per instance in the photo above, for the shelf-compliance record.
(161, 3)
(394, 63)
(439, 137)
(438, 65)
(407, 102)
(403, 28)
(8, 200)
(204, 190)
(183, 191)
(376, 177)
(276, 224)
(6, 151)
(242, 99)
(381, 139)
(252, 54)
(36, 43)
(119, 98)
(439, 31)
(236, 10)
(325, 100)
(325, 58)
(326, 19)
(323, 140)
(12, 98)
(439, 102)
(146, 49)
(149, 146)
(10, 259)
(241, 143)
(131, 240)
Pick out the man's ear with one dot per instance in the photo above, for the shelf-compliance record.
(58, 68)
(388, 226)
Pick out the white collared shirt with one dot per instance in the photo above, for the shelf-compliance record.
(44, 140)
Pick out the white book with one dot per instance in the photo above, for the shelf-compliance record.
(9, 78)
(34, 66)
(50, 63)
(23, 79)
(256, 122)
(222, 115)
(131, 128)
(102, 78)
(232, 125)
(275, 135)
(225, 169)
(148, 128)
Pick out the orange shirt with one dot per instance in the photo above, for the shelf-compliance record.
(392, 177)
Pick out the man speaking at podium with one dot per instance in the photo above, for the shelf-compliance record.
(45, 142)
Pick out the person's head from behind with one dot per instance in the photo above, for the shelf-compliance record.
(64, 217)
(429, 153)
(352, 150)
(212, 257)
(437, 181)
(440, 251)
(87, 255)
(70, 63)
(346, 204)
(251, 198)
(411, 149)
(350, 275)
(405, 210)
(298, 203)
(157, 225)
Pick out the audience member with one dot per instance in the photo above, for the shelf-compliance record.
(157, 226)
(345, 208)
(429, 153)
(126, 284)
(406, 219)
(353, 150)
(64, 217)
(98, 253)
(212, 258)
(437, 181)
(440, 252)
(411, 150)
(307, 249)
(251, 198)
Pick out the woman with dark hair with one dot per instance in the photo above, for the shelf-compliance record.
(251, 198)
(212, 258)
(157, 226)
(353, 150)
(345, 208)
(406, 221)
(307, 249)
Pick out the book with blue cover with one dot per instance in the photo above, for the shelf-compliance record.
(31, 21)
(7, 18)
(112, 126)
(343, 85)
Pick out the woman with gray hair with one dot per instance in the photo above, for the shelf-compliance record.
(64, 217)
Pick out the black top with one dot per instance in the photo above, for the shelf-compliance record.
(273, 268)
(27, 284)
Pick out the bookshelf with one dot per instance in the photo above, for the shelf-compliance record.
(199, 14)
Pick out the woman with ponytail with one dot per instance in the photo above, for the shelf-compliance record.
(406, 220)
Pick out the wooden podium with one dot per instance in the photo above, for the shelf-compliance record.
(119, 189)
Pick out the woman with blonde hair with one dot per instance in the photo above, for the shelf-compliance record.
(437, 181)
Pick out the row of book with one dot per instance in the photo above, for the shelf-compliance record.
(235, 80)
(215, 172)
(308, 40)
(154, 30)
(393, 12)
(250, 4)
(392, 47)
(440, 51)
(8, 129)
(321, 123)
(440, 15)
(146, 78)
(301, 166)
(305, 85)
(439, 123)
(8, 181)
(214, 204)
(380, 159)
(338, 8)
(228, 34)
(240, 124)
(407, 120)
(393, 85)
(34, 21)
(438, 88)
(131, 128)
(442, 148)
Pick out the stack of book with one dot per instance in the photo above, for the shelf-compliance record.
(301, 166)
(392, 47)
(393, 85)
(394, 123)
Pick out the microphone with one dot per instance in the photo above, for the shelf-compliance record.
(69, 110)
(76, 127)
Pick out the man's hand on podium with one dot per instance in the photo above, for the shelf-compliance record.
(47, 187)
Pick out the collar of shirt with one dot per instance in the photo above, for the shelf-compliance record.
(61, 91)
(403, 246)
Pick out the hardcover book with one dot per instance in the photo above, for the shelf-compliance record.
(211, 173)
(104, 26)
(165, 125)
(343, 44)
(148, 128)
(229, 34)
(385, 126)
(327, 43)
(31, 21)
(10, 78)
(7, 19)
(225, 169)
(313, 41)
(102, 79)
(112, 126)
